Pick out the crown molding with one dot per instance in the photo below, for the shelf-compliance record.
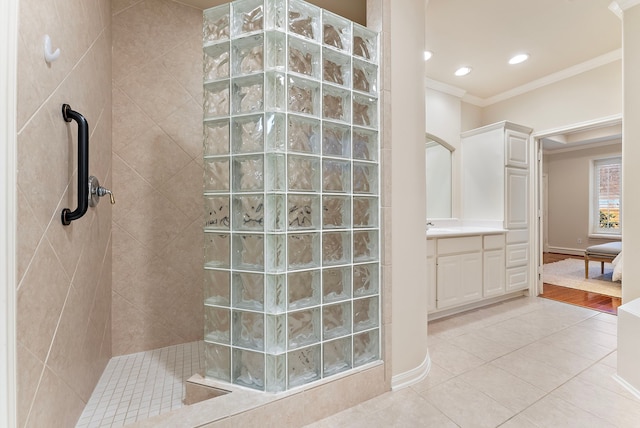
(444, 87)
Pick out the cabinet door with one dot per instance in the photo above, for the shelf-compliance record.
(517, 203)
(431, 284)
(517, 150)
(449, 280)
(471, 285)
(493, 274)
(517, 278)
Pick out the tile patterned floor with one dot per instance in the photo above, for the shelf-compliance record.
(524, 363)
(136, 386)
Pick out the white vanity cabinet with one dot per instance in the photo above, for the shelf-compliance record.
(493, 278)
(496, 187)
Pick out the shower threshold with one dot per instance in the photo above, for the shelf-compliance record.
(138, 386)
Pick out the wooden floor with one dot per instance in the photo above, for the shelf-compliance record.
(572, 296)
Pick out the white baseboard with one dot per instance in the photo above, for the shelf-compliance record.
(412, 376)
(626, 385)
(563, 250)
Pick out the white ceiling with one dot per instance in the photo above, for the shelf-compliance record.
(558, 34)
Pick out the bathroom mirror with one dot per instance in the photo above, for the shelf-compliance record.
(438, 175)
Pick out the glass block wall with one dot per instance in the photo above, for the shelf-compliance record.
(292, 272)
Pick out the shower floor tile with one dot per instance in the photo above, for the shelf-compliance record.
(137, 386)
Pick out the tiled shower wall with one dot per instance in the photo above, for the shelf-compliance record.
(157, 169)
(64, 272)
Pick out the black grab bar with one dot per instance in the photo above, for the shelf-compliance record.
(83, 165)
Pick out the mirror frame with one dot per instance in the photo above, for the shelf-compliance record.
(452, 150)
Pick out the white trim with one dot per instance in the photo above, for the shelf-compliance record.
(626, 385)
(565, 250)
(412, 376)
(572, 148)
(602, 122)
(625, 4)
(444, 88)
(8, 165)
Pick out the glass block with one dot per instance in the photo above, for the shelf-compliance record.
(217, 361)
(336, 31)
(303, 250)
(248, 252)
(304, 327)
(336, 248)
(336, 320)
(248, 369)
(248, 134)
(248, 330)
(365, 43)
(217, 250)
(275, 95)
(336, 176)
(365, 212)
(276, 257)
(304, 96)
(216, 212)
(248, 212)
(335, 103)
(365, 111)
(336, 356)
(248, 55)
(365, 144)
(216, 174)
(366, 348)
(336, 140)
(336, 211)
(276, 296)
(276, 373)
(248, 16)
(365, 313)
(248, 291)
(303, 174)
(276, 15)
(336, 284)
(304, 57)
(303, 134)
(366, 280)
(276, 342)
(303, 289)
(276, 50)
(304, 19)
(216, 24)
(336, 68)
(365, 178)
(276, 132)
(303, 211)
(365, 77)
(248, 94)
(248, 173)
(365, 246)
(216, 62)
(217, 324)
(217, 290)
(275, 173)
(275, 213)
(216, 137)
(304, 366)
(216, 99)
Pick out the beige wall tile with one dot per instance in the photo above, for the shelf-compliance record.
(129, 120)
(184, 126)
(185, 192)
(30, 370)
(55, 401)
(29, 234)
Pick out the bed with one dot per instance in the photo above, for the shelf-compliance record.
(603, 253)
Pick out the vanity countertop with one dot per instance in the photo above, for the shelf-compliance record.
(450, 232)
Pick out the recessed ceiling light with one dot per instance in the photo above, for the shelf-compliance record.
(427, 55)
(518, 59)
(463, 71)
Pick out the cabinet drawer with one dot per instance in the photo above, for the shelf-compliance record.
(494, 242)
(517, 236)
(431, 247)
(517, 255)
(517, 278)
(459, 245)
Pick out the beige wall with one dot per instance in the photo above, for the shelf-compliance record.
(63, 272)
(591, 95)
(631, 153)
(157, 164)
(568, 196)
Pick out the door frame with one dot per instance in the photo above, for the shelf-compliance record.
(539, 197)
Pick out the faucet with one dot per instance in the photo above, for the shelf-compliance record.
(429, 224)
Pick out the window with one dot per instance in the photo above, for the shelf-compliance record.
(607, 196)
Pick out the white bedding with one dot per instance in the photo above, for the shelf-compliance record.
(617, 268)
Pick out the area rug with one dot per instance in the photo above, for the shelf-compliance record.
(570, 273)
